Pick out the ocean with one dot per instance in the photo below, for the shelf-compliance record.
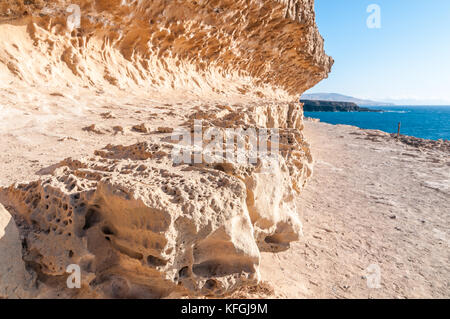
(429, 122)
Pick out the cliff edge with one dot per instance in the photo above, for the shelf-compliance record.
(332, 106)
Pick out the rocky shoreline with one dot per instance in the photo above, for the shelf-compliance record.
(331, 106)
(438, 145)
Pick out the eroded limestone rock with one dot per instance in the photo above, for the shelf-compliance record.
(142, 224)
(130, 216)
(263, 49)
(138, 224)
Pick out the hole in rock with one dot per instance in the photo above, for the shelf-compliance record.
(184, 272)
(276, 239)
(107, 231)
(92, 217)
(155, 261)
(210, 284)
(219, 167)
(222, 267)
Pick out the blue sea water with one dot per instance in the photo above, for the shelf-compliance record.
(429, 122)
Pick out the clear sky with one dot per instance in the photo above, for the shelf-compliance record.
(406, 61)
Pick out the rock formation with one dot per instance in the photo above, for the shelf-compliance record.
(333, 106)
(138, 222)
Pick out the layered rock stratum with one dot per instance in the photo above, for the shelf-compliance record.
(92, 113)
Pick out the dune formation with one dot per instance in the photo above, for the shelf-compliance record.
(92, 95)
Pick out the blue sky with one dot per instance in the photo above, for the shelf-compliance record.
(406, 61)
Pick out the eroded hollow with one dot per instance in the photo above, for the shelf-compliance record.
(210, 284)
(184, 272)
(156, 261)
(92, 217)
(222, 267)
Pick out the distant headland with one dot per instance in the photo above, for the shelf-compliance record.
(333, 106)
(334, 97)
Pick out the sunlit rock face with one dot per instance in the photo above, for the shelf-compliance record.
(138, 223)
(263, 48)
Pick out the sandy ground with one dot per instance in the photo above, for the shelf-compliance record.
(39, 130)
(372, 204)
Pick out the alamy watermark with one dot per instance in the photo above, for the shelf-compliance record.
(374, 19)
(74, 20)
(373, 276)
(74, 279)
(215, 145)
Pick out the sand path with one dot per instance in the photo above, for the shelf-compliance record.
(371, 203)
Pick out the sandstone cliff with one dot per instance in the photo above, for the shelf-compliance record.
(138, 223)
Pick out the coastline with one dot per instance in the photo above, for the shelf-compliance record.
(424, 122)
(442, 145)
(333, 106)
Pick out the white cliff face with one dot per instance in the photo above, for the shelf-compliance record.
(15, 281)
(137, 223)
